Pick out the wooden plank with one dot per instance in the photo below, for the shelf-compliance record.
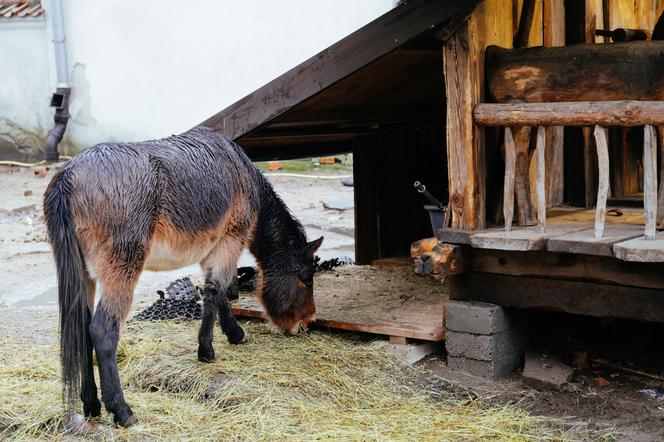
(576, 297)
(619, 71)
(508, 187)
(547, 264)
(582, 113)
(390, 301)
(524, 209)
(541, 178)
(455, 236)
(555, 182)
(525, 24)
(641, 249)
(650, 180)
(660, 195)
(522, 239)
(584, 242)
(378, 38)
(463, 73)
(603, 182)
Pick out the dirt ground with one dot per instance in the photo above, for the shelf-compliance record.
(616, 403)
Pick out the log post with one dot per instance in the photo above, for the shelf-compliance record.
(660, 197)
(508, 188)
(541, 178)
(650, 180)
(603, 184)
(463, 72)
(524, 210)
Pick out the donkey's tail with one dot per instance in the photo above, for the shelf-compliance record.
(72, 287)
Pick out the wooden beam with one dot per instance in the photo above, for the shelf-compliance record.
(603, 184)
(508, 187)
(525, 24)
(619, 71)
(650, 180)
(582, 113)
(576, 297)
(378, 38)
(524, 208)
(541, 178)
(660, 196)
(463, 73)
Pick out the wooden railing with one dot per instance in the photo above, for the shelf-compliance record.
(599, 114)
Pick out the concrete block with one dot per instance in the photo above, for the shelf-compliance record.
(411, 353)
(542, 371)
(485, 369)
(477, 317)
(486, 347)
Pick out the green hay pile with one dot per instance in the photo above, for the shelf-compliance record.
(310, 387)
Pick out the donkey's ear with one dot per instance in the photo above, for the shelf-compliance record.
(313, 246)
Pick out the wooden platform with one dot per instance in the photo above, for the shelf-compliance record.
(390, 301)
(571, 231)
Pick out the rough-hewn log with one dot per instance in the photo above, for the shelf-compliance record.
(508, 188)
(541, 178)
(619, 71)
(586, 113)
(660, 195)
(603, 185)
(524, 207)
(650, 180)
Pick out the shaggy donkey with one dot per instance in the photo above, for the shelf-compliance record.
(116, 209)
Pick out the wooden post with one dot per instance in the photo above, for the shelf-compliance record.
(660, 197)
(463, 67)
(650, 180)
(541, 178)
(603, 185)
(524, 209)
(508, 189)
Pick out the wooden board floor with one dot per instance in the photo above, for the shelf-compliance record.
(390, 301)
(570, 230)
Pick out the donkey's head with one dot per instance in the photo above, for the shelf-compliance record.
(288, 292)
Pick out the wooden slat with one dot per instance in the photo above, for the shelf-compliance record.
(508, 188)
(580, 113)
(585, 242)
(378, 38)
(522, 239)
(650, 180)
(541, 178)
(522, 189)
(641, 249)
(603, 182)
(660, 195)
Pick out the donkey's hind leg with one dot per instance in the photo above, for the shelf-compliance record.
(107, 323)
(220, 267)
(91, 404)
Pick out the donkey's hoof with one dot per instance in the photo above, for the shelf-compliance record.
(205, 353)
(236, 336)
(126, 422)
(92, 409)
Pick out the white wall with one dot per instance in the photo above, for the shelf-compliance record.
(152, 68)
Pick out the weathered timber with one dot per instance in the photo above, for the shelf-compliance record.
(590, 168)
(619, 71)
(641, 249)
(541, 178)
(508, 186)
(585, 242)
(524, 208)
(576, 297)
(586, 113)
(455, 236)
(603, 184)
(525, 24)
(547, 264)
(523, 238)
(660, 195)
(465, 155)
(650, 180)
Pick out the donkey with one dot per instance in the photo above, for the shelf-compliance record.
(116, 209)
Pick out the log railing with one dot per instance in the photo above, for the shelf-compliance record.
(599, 114)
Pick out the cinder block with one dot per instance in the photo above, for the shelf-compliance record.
(411, 353)
(477, 317)
(485, 347)
(485, 369)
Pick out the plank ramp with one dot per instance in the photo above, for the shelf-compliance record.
(390, 301)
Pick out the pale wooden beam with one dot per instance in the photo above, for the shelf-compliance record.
(508, 189)
(580, 113)
(541, 178)
(524, 206)
(660, 197)
(650, 180)
(603, 186)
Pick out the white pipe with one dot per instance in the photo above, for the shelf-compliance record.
(61, 65)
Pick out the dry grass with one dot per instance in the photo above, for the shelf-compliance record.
(311, 387)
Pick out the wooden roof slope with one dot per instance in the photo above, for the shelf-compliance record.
(387, 72)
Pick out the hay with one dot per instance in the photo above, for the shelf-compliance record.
(311, 387)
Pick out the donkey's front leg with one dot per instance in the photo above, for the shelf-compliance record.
(227, 320)
(205, 334)
(105, 334)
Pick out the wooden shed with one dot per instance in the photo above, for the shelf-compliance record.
(538, 126)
